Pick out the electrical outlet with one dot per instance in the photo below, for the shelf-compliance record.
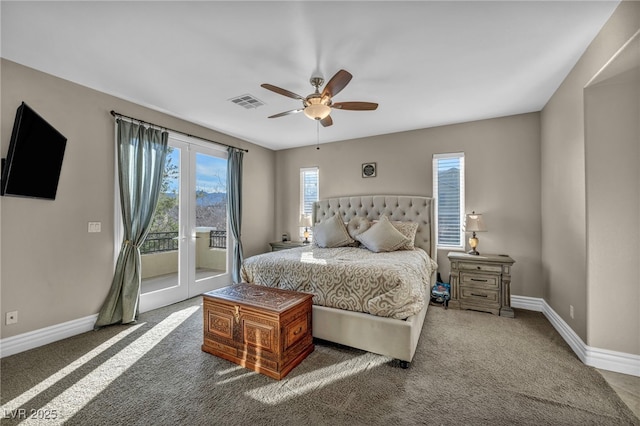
(571, 311)
(12, 317)
(95, 226)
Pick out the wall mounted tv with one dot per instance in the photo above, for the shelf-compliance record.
(34, 160)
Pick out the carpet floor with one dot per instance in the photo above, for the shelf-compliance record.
(470, 368)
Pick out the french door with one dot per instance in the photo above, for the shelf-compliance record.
(186, 252)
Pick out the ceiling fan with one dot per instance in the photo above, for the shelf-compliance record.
(317, 106)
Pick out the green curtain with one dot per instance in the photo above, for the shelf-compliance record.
(141, 158)
(234, 208)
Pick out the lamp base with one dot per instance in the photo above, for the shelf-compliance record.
(473, 243)
(306, 241)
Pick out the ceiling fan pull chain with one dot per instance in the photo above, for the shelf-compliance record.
(318, 134)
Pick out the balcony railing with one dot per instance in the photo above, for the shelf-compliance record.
(218, 239)
(158, 242)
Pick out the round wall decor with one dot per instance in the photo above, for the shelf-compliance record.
(368, 170)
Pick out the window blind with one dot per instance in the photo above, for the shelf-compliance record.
(309, 189)
(309, 193)
(448, 187)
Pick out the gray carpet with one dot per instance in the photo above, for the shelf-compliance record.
(470, 368)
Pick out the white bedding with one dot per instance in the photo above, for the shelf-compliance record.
(394, 285)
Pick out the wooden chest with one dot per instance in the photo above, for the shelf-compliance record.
(265, 329)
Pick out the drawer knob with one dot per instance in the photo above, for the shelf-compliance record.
(298, 331)
(478, 267)
(479, 280)
(479, 295)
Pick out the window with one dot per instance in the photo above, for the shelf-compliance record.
(309, 192)
(448, 190)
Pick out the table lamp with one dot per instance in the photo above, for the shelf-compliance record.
(473, 223)
(305, 220)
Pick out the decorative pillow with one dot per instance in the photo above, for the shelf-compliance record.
(357, 225)
(382, 236)
(408, 229)
(331, 233)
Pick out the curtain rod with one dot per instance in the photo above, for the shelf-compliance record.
(176, 131)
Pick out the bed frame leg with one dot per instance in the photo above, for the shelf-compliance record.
(404, 364)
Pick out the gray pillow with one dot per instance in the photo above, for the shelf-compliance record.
(408, 229)
(382, 236)
(331, 233)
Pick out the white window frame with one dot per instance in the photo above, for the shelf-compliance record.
(435, 164)
(303, 200)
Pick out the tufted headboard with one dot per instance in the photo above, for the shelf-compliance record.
(401, 208)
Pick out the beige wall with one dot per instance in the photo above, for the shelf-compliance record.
(52, 269)
(612, 137)
(564, 214)
(502, 168)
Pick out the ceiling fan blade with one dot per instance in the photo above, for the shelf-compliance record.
(337, 83)
(281, 91)
(327, 121)
(355, 106)
(282, 114)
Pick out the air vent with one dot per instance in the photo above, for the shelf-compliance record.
(247, 101)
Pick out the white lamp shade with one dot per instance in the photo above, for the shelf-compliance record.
(305, 220)
(473, 223)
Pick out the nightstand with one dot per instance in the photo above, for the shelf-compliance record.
(481, 283)
(283, 245)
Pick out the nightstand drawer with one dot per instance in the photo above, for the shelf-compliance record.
(480, 280)
(483, 296)
(472, 266)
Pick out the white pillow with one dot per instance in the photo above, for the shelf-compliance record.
(382, 236)
(331, 233)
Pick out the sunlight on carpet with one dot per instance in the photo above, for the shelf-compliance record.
(236, 378)
(229, 370)
(277, 393)
(55, 378)
(90, 386)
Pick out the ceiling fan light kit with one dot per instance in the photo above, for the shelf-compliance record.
(317, 106)
(317, 110)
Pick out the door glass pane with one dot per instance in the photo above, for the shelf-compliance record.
(211, 216)
(160, 251)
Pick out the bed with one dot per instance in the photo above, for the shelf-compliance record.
(366, 295)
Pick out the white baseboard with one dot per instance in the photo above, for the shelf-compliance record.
(604, 359)
(33, 339)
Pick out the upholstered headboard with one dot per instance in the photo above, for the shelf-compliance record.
(402, 208)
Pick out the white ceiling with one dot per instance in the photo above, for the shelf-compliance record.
(426, 63)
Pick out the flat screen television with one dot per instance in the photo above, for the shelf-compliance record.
(34, 160)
